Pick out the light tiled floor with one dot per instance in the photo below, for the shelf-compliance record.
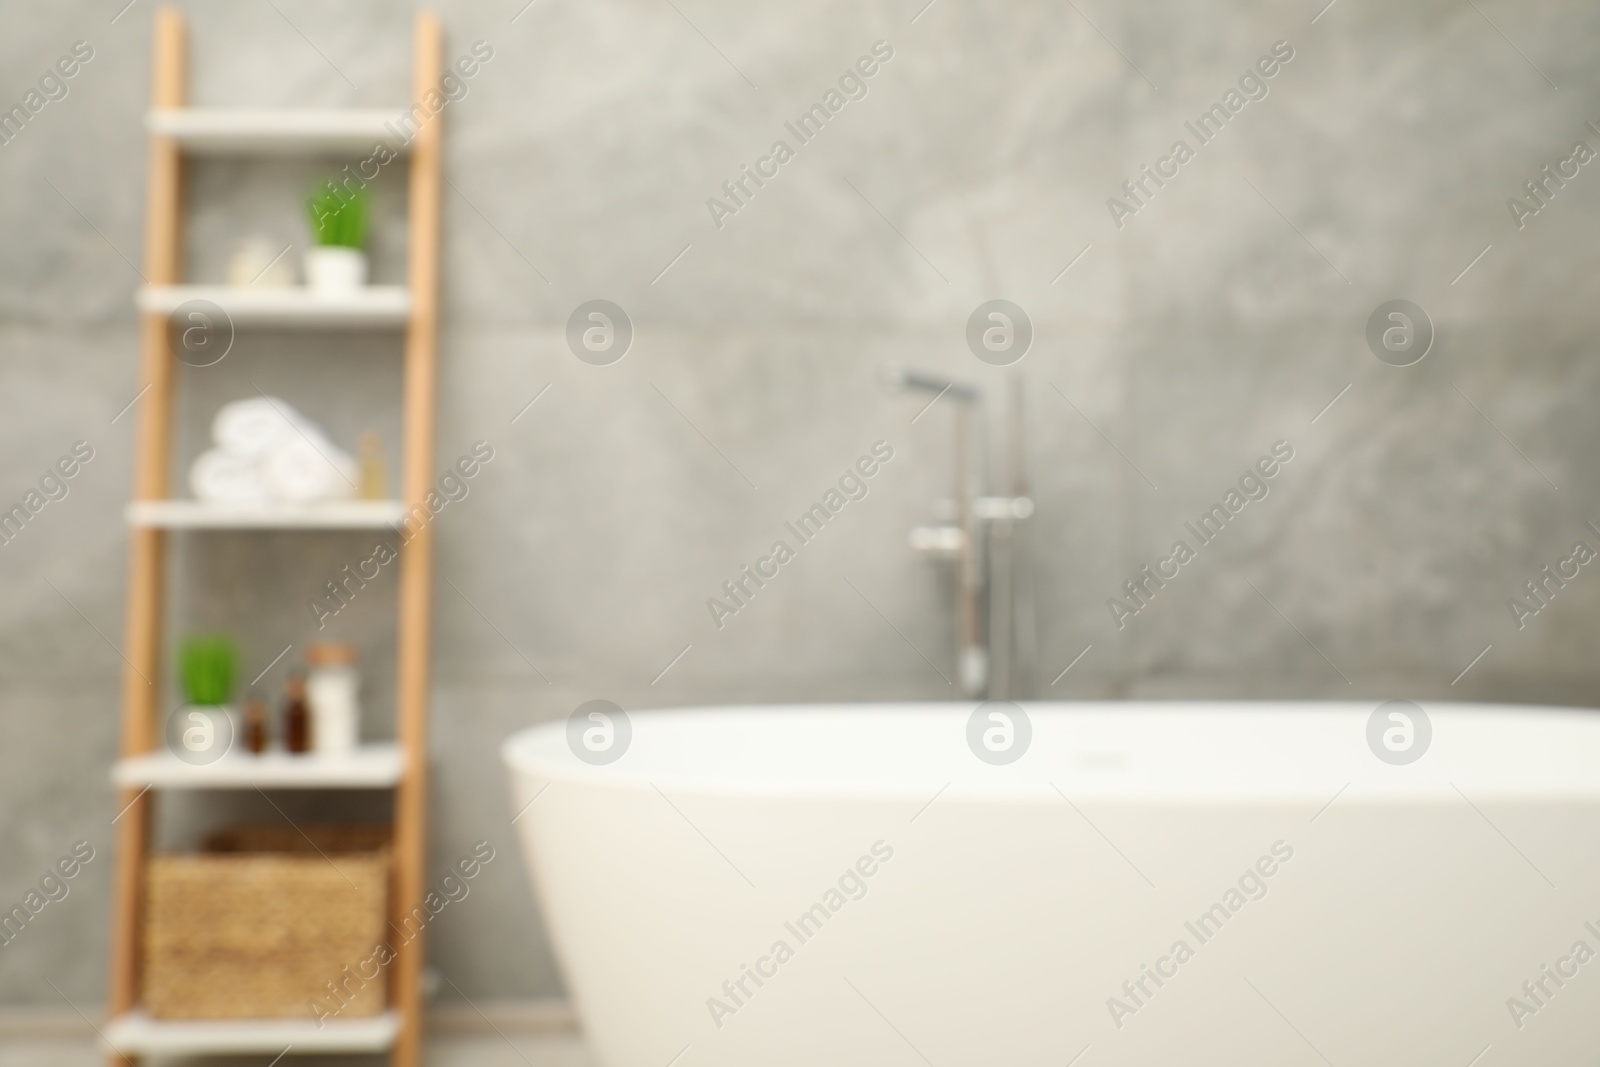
(59, 1052)
(545, 1050)
(541, 1050)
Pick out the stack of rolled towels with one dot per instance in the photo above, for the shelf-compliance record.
(264, 452)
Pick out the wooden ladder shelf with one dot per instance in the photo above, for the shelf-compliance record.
(175, 132)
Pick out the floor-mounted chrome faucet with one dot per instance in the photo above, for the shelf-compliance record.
(977, 534)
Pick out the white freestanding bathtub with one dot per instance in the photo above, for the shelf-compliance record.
(1227, 884)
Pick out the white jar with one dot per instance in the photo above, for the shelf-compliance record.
(333, 691)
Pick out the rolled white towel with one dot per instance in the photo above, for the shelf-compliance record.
(306, 468)
(218, 476)
(254, 426)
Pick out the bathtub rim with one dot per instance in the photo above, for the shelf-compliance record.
(538, 753)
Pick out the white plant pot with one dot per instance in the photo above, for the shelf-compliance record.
(333, 270)
(206, 733)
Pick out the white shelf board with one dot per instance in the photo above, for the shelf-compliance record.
(332, 515)
(287, 305)
(136, 1033)
(279, 131)
(372, 766)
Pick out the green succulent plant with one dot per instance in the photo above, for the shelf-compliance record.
(338, 219)
(208, 665)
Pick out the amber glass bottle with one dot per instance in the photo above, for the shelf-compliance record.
(296, 716)
(255, 725)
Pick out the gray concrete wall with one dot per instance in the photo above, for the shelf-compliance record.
(1222, 317)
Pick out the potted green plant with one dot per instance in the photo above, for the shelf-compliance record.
(208, 665)
(336, 264)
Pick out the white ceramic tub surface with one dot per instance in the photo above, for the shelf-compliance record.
(851, 885)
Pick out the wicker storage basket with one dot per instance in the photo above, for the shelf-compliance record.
(258, 924)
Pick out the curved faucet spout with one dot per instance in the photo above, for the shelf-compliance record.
(901, 380)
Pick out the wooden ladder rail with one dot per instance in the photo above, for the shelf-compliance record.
(141, 675)
(416, 563)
